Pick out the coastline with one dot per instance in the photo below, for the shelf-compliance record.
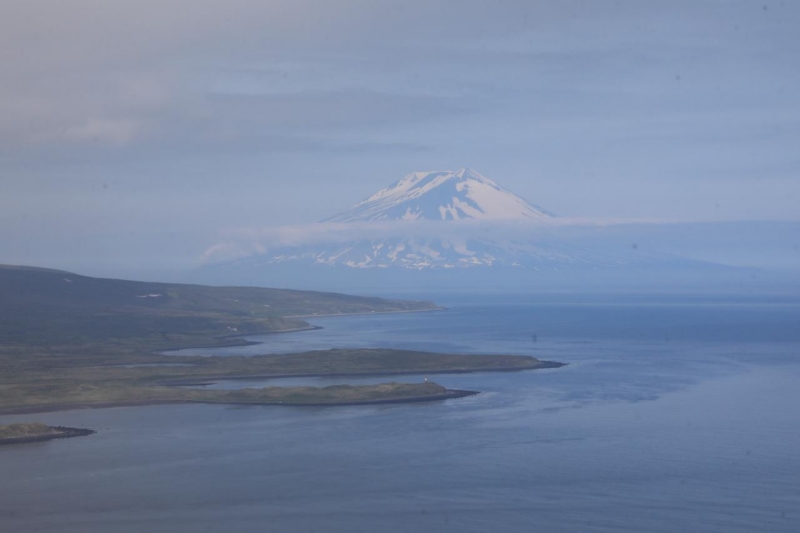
(240, 339)
(543, 365)
(449, 394)
(56, 407)
(36, 409)
(328, 315)
(63, 432)
(309, 327)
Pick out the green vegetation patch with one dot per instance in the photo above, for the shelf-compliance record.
(68, 341)
(17, 431)
(34, 432)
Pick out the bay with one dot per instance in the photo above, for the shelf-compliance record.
(676, 413)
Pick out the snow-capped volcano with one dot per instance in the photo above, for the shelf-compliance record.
(442, 195)
(436, 221)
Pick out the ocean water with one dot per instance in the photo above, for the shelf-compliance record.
(675, 414)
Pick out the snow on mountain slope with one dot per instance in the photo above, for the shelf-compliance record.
(444, 221)
(442, 195)
(414, 253)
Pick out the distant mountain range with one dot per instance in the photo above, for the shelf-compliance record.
(443, 220)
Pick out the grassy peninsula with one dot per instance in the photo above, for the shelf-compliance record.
(75, 341)
(36, 432)
(96, 383)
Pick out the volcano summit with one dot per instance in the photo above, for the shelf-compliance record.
(442, 195)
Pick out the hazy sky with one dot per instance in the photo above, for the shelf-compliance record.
(139, 130)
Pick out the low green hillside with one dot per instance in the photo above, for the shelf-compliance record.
(41, 307)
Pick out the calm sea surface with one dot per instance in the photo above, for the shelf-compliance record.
(675, 414)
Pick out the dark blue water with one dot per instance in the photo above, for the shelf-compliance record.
(675, 414)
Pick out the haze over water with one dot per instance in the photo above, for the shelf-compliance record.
(674, 414)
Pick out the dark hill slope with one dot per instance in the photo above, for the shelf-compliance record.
(40, 306)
